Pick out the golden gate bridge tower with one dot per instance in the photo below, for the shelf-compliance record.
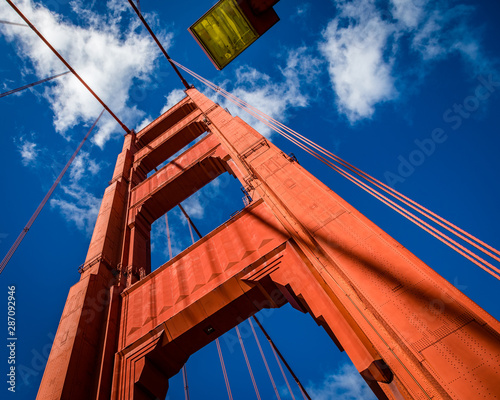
(125, 330)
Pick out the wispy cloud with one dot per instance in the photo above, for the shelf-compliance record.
(275, 96)
(301, 11)
(179, 238)
(173, 98)
(145, 122)
(108, 51)
(74, 200)
(408, 12)
(78, 206)
(343, 384)
(28, 150)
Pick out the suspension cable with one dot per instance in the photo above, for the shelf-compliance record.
(275, 349)
(221, 358)
(305, 144)
(264, 359)
(419, 222)
(184, 370)
(217, 342)
(67, 65)
(168, 237)
(12, 23)
(190, 223)
(242, 104)
(32, 84)
(277, 352)
(312, 152)
(248, 363)
(138, 12)
(185, 381)
(283, 373)
(25, 230)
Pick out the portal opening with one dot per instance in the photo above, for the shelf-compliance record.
(208, 208)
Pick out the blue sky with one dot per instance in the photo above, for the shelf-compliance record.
(372, 81)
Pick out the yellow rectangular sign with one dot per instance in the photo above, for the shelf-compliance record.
(224, 32)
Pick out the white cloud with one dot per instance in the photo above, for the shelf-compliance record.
(408, 12)
(173, 98)
(108, 56)
(28, 150)
(302, 10)
(179, 236)
(81, 165)
(362, 46)
(79, 207)
(360, 70)
(145, 122)
(193, 206)
(447, 31)
(343, 384)
(74, 200)
(275, 97)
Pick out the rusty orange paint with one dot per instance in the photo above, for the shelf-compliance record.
(125, 331)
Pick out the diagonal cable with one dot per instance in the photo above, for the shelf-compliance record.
(32, 84)
(311, 147)
(25, 230)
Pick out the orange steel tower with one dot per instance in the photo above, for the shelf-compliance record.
(125, 331)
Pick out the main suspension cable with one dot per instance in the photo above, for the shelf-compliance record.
(32, 84)
(139, 14)
(67, 65)
(25, 230)
(419, 222)
(306, 145)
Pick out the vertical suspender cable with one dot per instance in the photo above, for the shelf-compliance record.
(67, 65)
(32, 84)
(168, 237)
(191, 233)
(184, 370)
(283, 373)
(265, 361)
(185, 381)
(248, 363)
(275, 349)
(217, 342)
(224, 369)
(190, 223)
(23, 233)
